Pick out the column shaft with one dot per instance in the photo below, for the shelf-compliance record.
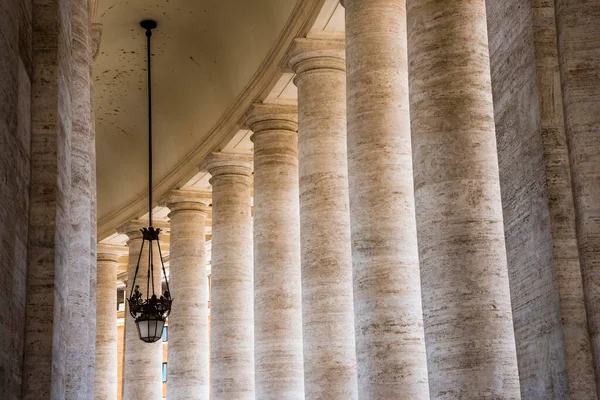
(105, 380)
(578, 29)
(44, 364)
(80, 349)
(232, 292)
(277, 286)
(466, 299)
(188, 324)
(327, 305)
(93, 247)
(143, 361)
(390, 345)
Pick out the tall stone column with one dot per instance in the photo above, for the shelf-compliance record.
(327, 302)
(48, 248)
(142, 369)
(188, 322)
(466, 299)
(390, 345)
(105, 378)
(277, 287)
(80, 348)
(232, 290)
(578, 29)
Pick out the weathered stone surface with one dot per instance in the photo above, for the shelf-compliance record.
(387, 298)
(553, 347)
(277, 287)
(44, 370)
(143, 361)
(232, 283)
(93, 253)
(188, 323)
(327, 303)
(15, 138)
(80, 349)
(527, 224)
(578, 28)
(466, 298)
(105, 381)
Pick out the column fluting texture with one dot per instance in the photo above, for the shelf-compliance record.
(232, 284)
(105, 379)
(578, 29)
(188, 322)
(327, 303)
(390, 343)
(466, 299)
(142, 367)
(277, 285)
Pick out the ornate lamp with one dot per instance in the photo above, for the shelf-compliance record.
(151, 312)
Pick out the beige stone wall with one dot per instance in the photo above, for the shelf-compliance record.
(15, 135)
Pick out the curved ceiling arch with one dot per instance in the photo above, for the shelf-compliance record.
(211, 60)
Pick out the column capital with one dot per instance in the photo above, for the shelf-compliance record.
(110, 252)
(186, 200)
(266, 117)
(132, 228)
(317, 55)
(222, 163)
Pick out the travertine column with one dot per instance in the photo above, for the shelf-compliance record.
(466, 298)
(327, 307)
(277, 287)
(105, 379)
(188, 323)
(93, 254)
(80, 348)
(44, 358)
(578, 29)
(232, 291)
(390, 346)
(142, 369)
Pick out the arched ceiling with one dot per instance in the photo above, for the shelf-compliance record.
(205, 55)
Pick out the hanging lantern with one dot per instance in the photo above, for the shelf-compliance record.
(150, 313)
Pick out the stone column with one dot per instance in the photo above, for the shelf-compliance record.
(80, 348)
(48, 248)
(390, 346)
(578, 29)
(466, 299)
(277, 287)
(105, 378)
(188, 323)
(327, 304)
(142, 369)
(232, 291)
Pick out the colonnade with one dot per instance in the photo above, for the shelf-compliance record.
(379, 265)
